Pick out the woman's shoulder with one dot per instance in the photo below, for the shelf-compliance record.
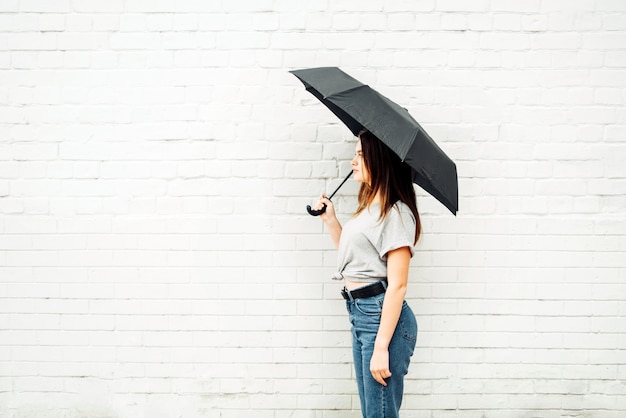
(402, 207)
(402, 210)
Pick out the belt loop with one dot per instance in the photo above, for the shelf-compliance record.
(384, 283)
(348, 293)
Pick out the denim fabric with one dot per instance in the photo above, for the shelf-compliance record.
(378, 401)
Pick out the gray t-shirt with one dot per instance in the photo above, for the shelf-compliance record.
(366, 240)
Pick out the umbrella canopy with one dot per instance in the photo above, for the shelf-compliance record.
(359, 107)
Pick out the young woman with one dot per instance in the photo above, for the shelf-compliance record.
(374, 251)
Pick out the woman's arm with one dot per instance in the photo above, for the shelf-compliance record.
(397, 277)
(330, 219)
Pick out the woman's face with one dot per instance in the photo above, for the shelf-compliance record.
(358, 166)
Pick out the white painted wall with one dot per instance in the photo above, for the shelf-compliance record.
(156, 157)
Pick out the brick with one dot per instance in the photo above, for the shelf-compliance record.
(610, 5)
(38, 6)
(459, 6)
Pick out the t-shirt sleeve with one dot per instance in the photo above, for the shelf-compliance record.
(398, 230)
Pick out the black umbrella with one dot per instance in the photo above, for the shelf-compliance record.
(359, 107)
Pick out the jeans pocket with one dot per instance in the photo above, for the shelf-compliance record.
(408, 324)
(372, 306)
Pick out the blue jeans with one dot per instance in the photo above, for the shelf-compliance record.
(378, 401)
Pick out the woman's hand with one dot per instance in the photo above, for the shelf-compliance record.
(379, 365)
(329, 214)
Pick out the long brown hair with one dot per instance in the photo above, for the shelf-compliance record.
(389, 176)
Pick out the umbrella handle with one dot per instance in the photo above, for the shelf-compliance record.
(318, 212)
(315, 212)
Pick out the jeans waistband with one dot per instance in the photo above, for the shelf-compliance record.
(365, 291)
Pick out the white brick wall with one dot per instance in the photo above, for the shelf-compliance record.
(156, 158)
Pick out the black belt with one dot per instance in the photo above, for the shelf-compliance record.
(365, 291)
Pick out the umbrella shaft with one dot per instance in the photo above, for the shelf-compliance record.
(339, 187)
